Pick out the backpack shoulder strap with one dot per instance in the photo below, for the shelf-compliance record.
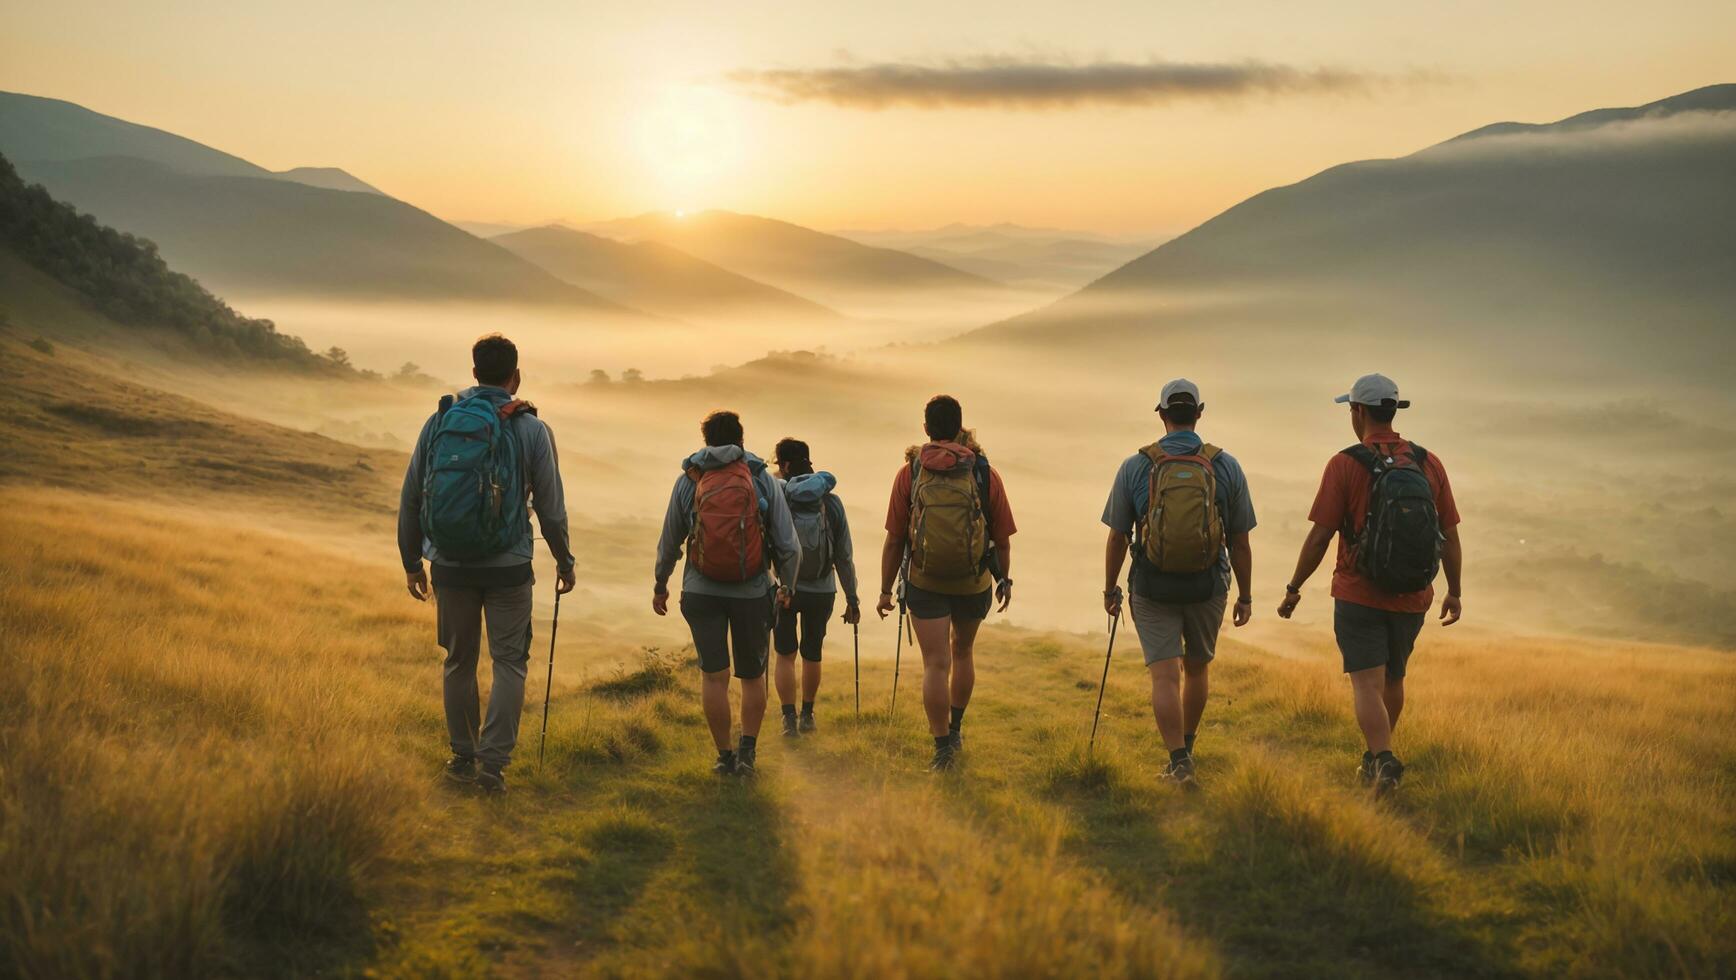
(1419, 454)
(516, 406)
(1364, 457)
(1153, 452)
(1209, 452)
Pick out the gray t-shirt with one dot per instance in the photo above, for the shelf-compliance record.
(1127, 497)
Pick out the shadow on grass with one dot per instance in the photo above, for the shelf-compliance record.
(1269, 877)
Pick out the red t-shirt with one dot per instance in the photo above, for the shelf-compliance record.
(1343, 496)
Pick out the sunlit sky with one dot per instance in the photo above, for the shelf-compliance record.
(529, 111)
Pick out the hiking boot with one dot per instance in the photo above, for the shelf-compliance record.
(744, 760)
(945, 756)
(807, 724)
(461, 769)
(1179, 771)
(790, 725)
(957, 737)
(1365, 769)
(1387, 774)
(725, 764)
(491, 779)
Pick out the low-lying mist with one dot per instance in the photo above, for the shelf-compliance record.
(1544, 468)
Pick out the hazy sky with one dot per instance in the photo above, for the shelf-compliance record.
(1122, 116)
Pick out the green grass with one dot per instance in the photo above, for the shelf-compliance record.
(220, 754)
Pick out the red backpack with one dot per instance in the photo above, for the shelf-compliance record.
(727, 540)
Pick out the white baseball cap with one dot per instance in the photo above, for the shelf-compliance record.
(1180, 386)
(1372, 389)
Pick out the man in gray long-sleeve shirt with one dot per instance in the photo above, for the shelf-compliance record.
(731, 607)
(495, 588)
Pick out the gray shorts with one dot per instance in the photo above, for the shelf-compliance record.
(1168, 629)
(1369, 637)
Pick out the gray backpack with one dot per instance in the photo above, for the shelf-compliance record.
(812, 517)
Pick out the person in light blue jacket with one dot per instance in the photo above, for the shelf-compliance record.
(828, 560)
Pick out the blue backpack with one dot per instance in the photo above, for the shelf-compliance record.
(473, 485)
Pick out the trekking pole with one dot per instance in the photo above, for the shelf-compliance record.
(554, 627)
(856, 641)
(898, 647)
(1104, 684)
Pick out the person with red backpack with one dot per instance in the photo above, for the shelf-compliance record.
(729, 515)
(1389, 502)
(948, 530)
(1181, 508)
(483, 461)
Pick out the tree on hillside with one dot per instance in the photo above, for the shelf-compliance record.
(125, 279)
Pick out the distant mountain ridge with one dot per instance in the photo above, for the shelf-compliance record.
(653, 276)
(241, 229)
(828, 268)
(1616, 228)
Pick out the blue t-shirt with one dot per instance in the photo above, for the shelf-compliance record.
(1127, 497)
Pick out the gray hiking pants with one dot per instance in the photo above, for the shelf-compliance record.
(461, 613)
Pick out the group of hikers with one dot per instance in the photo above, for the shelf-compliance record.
(766, 549)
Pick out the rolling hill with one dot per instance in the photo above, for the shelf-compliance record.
(831, 269)
(243, 230)
(654, 277)
(1039, 258)
(1611, 230)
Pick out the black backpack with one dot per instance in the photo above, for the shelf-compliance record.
(1399, 548)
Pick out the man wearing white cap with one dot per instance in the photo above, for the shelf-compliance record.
(1184, 507)
(1390, 504)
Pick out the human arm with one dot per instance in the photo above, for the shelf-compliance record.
(669, 543)
(548, 498)
(1313, 551)
(844, 560)
(1452, 561)
(786, 547)
(1004, 557)
(1114, 557)
(410, 518)
(891, 557)
(1242, 564)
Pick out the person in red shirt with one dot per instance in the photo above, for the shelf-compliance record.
(948, 527)
(1376, 628)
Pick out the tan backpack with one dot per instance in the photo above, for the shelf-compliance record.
(1181, 531)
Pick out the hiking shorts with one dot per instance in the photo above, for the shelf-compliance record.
(924, 604)
(1370, 637)
(809, 613)
(721, 624)
(1174, 629)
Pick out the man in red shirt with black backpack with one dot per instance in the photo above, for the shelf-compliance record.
(1390, 504)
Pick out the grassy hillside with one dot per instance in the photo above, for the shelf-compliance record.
(125, 280)
(237, 774)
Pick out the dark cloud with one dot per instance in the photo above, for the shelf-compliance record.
(1016, 83)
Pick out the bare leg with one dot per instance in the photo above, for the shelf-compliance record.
(753, 705)
(1393, 698)
(934, 637)
(786, 678)
(1368, 687)
(1166, 701)
(810, 680)
(964, 633)
(714, 696)
(1194, 692)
